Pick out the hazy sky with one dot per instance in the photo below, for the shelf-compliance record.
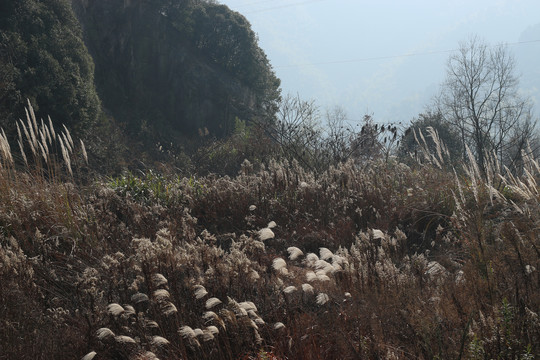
(350, 52)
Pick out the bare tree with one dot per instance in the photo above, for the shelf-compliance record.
(480, 98)
(297, 130)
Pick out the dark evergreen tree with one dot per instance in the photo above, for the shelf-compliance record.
(169, 67)
(43, 59)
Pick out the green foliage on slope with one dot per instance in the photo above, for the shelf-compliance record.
(169, 68)
(43, 59)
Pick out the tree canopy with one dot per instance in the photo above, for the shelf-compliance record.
(174, 67)
(43, 59)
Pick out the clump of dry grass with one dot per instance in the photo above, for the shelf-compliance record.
(385, 261)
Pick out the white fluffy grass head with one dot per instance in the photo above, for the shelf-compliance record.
(307, 288)
(207, 335)
(138, 298)
(322, 298)
(213, 329)
(161, 294)
(187, 332)
(123, 339)
(311, 276)
(200, 291)
(271, 225)
(266, 234)
(159, 341)
(311, 259)
(279, 264)
(169, 309)
(294, 252)
(248, 305)
(325, 253)
(289, 289)
(210, 303)
(115, 309)
(104, 333)
(377, 234)
(210, 315)
(89, 356)
(159, 280)
(279, 325)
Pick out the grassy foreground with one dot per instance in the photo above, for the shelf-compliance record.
(380, 261)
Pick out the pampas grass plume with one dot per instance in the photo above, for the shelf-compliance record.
(307, 288)
(278, 264)
(115, 309)
(279, 325)
(200, 291)
(104, 333)
(159, 280)
(169, 309)
(325, 253)
(159, 341)
(123, 339)
(322, 298)
(210, 303)
(294, 252)
(378, 234)
(89, 356)
(265, 234)
(289, 289)
(311, 276)
(187, 332)
(161, 294)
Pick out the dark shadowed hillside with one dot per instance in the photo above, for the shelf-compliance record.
(43, 59)
(177, 66)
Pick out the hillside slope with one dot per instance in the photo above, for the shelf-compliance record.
(177, 66)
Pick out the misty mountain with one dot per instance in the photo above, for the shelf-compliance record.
(527, 57)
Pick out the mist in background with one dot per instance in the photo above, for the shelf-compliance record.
(386, 58)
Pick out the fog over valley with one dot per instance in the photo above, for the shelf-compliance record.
(385, 57)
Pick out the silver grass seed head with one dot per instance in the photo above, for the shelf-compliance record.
(248, 305)
(207, 335)
(279, 264)
(200, 291)
(187, 332)
(213, 329)
(123, 339)
(289, 289)
(279, 325)
(322, 298)
(115, 309)
(266, 234)
(169, 309)
(138, 298)
(307, 288)
(210, 315)
(325, 253)
(129, 310)
(104, 333)
(311, 259)
(161, 294)
(311, 276)
(294, 252)
(159, 341)
(89, 356)
(159, 280)
(210, 303)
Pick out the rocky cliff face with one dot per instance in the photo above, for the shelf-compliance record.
(176, 66)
